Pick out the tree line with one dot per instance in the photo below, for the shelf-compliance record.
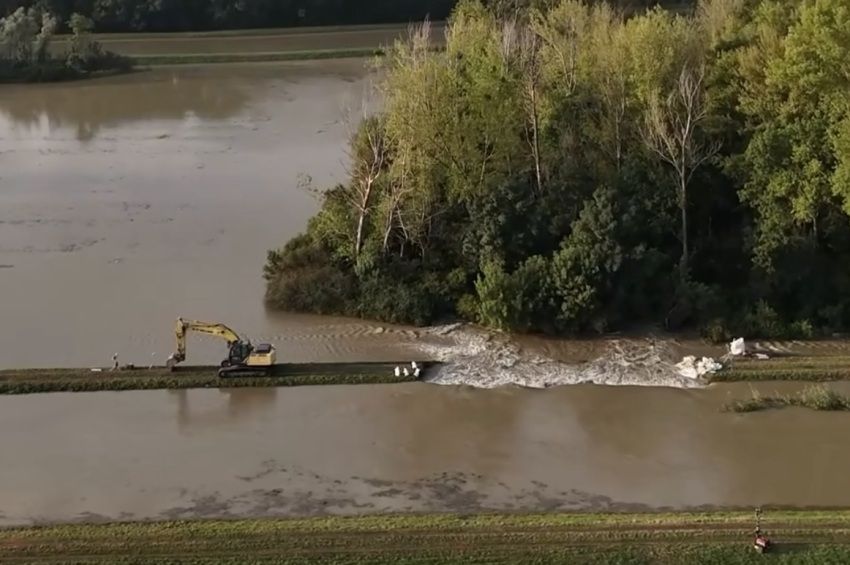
(25, 56)
(189, 15)
(567, 169)
(193, 15)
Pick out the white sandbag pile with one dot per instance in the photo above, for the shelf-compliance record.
(738, 348)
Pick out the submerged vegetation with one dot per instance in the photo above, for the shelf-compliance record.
(816, 397)
(710, 537)
(567, 169)
(25, 56)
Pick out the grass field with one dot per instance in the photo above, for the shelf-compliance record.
(712, 538)
(28, 381)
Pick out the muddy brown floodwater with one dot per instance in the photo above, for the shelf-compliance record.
(128, 201)
(414, 447)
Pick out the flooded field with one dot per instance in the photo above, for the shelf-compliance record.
(129, 201)
(407, 448)
(126, 202)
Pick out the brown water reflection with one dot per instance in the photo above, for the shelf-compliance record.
(240, 403)
(87, 107)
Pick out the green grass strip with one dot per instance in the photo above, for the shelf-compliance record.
(710, 537)
(802, 375)
(815, 369)
(836, 361)
(64, 380)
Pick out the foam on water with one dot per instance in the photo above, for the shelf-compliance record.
(478, 358)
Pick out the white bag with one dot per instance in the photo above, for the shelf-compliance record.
(738, 347)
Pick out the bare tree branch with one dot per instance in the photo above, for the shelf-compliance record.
(670, 132)
(521, 48)
(367, 162)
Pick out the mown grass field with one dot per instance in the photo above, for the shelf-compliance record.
(710, 538)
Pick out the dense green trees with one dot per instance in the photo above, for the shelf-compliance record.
(563, 168)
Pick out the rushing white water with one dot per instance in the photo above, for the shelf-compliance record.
(478, 358)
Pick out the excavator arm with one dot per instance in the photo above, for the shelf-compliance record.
(209, 328)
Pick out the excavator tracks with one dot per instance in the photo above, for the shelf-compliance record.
(244, 372)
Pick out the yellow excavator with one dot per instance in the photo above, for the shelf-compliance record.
(243, 359)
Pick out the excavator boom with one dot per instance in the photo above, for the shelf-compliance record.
(242, 357)
(209, 328)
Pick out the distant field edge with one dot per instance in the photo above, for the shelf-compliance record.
(800, 536)
(106, 37)
(261, 57)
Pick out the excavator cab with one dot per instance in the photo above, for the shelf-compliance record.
(238, 353)
(243, 353)
(245, 360)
